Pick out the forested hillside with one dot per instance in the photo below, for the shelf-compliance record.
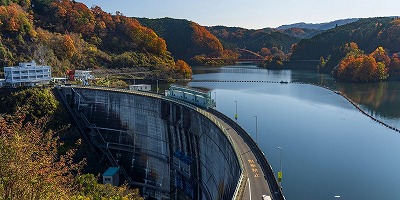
(254, 40)
(302, 33)
(369, 34)
(185, 39)
(363, 51)
(318, 26)
(67, 35)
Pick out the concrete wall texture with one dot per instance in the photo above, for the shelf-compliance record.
(171, 151)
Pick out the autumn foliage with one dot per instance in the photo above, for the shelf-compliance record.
(30, 167)
(14, 19)
(203, 38)
(360, 67)
(34, 161)
(184, 68)
(394, 67)
(115, 33)
(67, 34)
(186, 40)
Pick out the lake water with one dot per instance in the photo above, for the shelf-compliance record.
(329, 147)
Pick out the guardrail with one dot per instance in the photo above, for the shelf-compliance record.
(276, 192)
(242, 180)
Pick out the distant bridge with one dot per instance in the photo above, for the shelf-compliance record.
(245, 56)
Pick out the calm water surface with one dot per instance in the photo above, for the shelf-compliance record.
(329, 147)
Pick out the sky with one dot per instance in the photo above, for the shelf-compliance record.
(251, 14)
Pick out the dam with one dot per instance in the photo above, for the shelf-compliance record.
(168, 148)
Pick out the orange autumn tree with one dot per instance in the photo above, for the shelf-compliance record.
(183, 67)
(205, 40)
(14, 19)
(381, 55)
(394, 67)
(359, 67)
(30, 167)
(73, 16)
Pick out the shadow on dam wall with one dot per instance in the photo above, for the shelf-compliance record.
(168, 150)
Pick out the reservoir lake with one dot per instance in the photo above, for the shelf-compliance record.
(329, 148)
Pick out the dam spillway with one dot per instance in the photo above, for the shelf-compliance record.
(168, 149)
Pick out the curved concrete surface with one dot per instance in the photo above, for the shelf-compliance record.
(254, 183)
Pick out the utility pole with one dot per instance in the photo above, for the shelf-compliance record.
(157, 86)
(256, 127)
(236, 115)
(215, 98)
(280, 169)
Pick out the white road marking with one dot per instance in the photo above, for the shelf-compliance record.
(249, 187)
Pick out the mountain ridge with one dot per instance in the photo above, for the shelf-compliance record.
(318, 26)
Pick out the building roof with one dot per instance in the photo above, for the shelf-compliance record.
(26, 65)
(111, 171)
(141, 85)
(82, 71)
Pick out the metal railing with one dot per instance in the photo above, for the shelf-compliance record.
(276, 191)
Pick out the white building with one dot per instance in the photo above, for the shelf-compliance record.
(84, 76)
(140, 87)
(27, 74)
(59, 80)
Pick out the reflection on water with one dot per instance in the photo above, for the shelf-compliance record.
(381, 99)
(329, 147)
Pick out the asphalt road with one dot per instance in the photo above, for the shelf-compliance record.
(256, 184)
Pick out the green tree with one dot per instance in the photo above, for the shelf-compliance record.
(322, 63)
(33, 103)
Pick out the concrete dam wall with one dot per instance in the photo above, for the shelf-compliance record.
(169, 150)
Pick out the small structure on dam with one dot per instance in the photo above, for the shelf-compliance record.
(111, 176)
(190, 95)
(164, 146)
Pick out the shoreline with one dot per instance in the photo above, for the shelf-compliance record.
(317, 85)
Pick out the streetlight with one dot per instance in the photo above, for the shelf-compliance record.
(256, 127)
(280, 171)
(157, 85)
(215, 98)
(236, 115)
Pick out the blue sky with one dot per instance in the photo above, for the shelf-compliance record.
(251, 13)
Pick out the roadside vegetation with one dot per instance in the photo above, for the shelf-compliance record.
(40, 155)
